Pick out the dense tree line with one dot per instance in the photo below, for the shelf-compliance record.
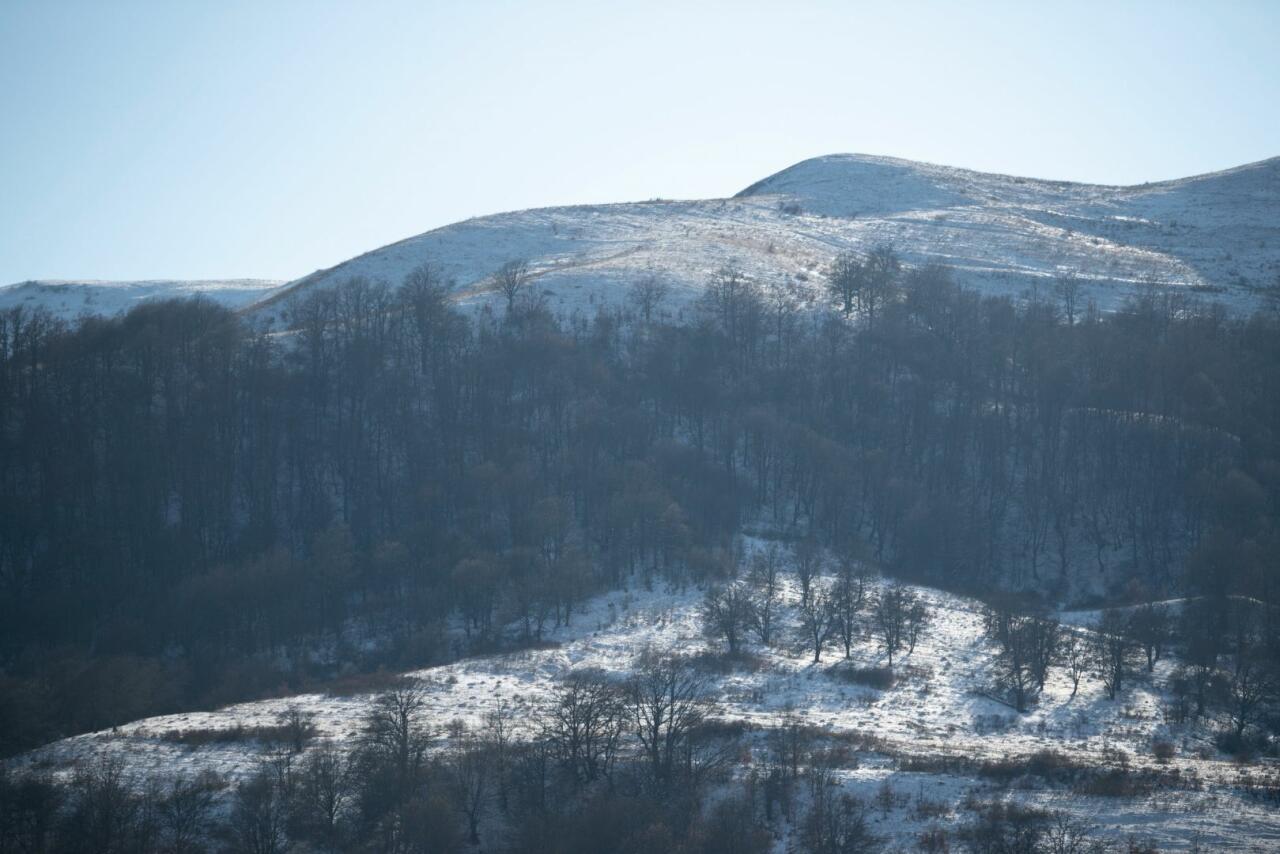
(844, 610)
(194, 509)
(1229, 670)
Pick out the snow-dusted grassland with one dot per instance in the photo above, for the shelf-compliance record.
(1217, 235)
(935, 711)
(72, 299)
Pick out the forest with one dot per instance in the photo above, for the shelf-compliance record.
(196, 508)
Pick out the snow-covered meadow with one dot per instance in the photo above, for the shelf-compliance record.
(72, 299)
(936, 711)
(1215, 235)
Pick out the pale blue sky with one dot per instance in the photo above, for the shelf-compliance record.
(222, 139)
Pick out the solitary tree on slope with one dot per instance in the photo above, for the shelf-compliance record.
(512, 278)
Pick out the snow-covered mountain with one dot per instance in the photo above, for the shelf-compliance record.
(71, 299)
(1216, 234)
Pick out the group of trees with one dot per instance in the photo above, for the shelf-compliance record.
(844, 609)
(1028, 645)
(195, 509)
(864, 285)
(1229, 669)
(603, 765)
(1229, 649)
(634, 764)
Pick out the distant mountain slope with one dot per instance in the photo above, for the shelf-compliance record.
(73, 298)
(1216, 234)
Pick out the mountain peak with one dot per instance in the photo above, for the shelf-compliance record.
(857, 184)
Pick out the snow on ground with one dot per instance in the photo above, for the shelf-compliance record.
(71, 299)
(934, 711)
(1088, 618)
(1216, 234)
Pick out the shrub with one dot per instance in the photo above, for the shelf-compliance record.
(375, 682)
(879, 678)
(1115, 783)
(935, 765)
(285, 733)
(727, 662)
(993, 724)
(934, 841)
(1005, 827)
(927, 808)
(1242, 749)
(1163, 750)
(1047, 764)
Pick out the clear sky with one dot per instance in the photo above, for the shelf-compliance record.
(189, 139)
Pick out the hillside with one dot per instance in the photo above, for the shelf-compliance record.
(1217, 235)
(72, 298)
(933, 739)
(402, 552)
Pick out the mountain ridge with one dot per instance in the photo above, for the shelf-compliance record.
(1217, 233)
(1268, 162)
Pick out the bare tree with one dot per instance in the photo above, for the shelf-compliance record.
(818, 620)
(844, 281)
(498, 732)
(918, 618)
(1067, 288)
(782, 299)
(324, 790)
(850, 596)
(512, 278)
(1046, 635)
(186, 810)
(879, 281)
(257, 818)
(837, 824)
(647, 294)
(726, 614)
(1066, 834)
(1016, 636)
(585, 724)
(1253, 686)
(807, 555)
(766, 590)
(470, 767)
(891, 617)
(394, 735)
(1113, 651)
(667, 701)
(298, 726)
(1074, 656)
(1149, 626)
(789, 743)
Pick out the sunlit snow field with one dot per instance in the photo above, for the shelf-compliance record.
(1216, 236)
(934, 710)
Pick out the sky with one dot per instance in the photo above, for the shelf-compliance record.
(201, 139)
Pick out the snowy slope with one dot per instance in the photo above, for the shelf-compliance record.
(935, 710)
(1217, 234)
(70, 299)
